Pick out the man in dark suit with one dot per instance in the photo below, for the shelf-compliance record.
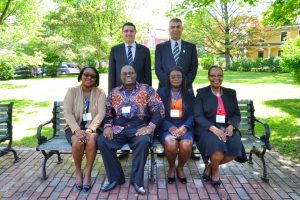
(176, 52)
(129, 53)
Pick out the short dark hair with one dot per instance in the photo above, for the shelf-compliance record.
(176, 20)
(128, 24)
(214, 66)
(93, 68)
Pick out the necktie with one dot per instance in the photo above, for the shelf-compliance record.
(129, 56)
(176, 52)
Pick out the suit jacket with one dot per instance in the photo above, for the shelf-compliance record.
(74, 108)
(187, 119)
(205, 107)
(164, 61)
(141, 64)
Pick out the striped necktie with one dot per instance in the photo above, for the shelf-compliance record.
(176, 52)
(129, 55)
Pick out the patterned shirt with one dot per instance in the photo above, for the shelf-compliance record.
(140, 106)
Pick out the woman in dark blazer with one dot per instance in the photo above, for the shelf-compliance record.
(217, 117)
(176, 131)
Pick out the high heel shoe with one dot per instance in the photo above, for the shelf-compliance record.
(86, 188)
(206, 176)
(78, 186)
(216, 183)
(171, 180)
(182, 180)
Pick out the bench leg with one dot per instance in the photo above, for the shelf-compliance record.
(46, 157)
(152, 162)
(260, 154)
(250, 155)
(17, 159)
(60, 160)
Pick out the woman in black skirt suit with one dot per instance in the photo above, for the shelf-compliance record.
(217, 117)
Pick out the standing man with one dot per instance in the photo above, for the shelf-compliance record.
(133, 111)
(176, 52)
(129, 53)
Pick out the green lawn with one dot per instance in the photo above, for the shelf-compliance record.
(245, 77)
(11, 86)
(25, 107)
(285, 130)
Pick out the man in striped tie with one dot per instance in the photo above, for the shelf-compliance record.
(176, 52)
(129, 53)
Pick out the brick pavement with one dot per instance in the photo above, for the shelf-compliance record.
(240, 181)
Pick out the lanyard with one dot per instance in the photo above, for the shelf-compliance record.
(86, 104)
(175, 98)
(126, 95)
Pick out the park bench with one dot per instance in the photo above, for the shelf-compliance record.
(6, 129)
(57, 143)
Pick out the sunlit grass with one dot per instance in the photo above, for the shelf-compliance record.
(23, 107)
(11, 86)
(285, 130)
(244, 77)
(31, 141)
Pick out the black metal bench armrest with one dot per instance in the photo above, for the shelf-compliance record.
(266, 137)
(41, 139)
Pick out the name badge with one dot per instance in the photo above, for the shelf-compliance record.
(126, 109)
(87, 117)
(220, 118)
(174, 113)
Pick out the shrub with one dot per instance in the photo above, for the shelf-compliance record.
(290, 59)
(207, 61)
(6, 71)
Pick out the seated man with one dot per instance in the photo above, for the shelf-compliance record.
(133, 111)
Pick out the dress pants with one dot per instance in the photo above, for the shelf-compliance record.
(140, 146)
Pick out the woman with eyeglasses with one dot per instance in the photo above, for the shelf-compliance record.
(217, 117)
(84, 110)
(176, 131)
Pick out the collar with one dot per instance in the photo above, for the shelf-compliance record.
(137, 85)
(178, 41)
(133, 44)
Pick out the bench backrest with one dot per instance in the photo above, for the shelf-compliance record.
(6, 121)
(59, 121)
(246, 125)
(247, 116)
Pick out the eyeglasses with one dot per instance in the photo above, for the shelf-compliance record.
(128, 73)
(176, 77)
(86, 75)
(216, 75)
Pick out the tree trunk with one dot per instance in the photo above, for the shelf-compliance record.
(227, 36)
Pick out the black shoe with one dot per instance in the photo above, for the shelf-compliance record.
(216, 183)
(139, 189)
(194, 156)
(124, 154)
(111, 186)
(182, 180)
(206, 176)
(78, 186)
(86, 188)
(171, 180)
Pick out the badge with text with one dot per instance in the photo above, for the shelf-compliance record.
(174, 113)
(87, 117)
(220, 118)
(126, 109)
